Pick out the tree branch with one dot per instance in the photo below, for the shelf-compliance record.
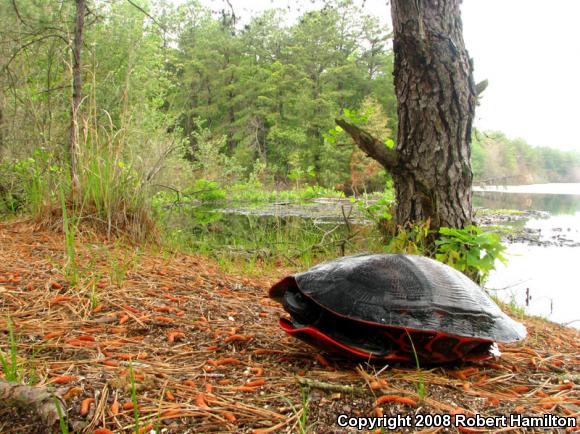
(331, 387)
(28, 44)
(147, 14)
(233, 12)
(17, 12)
(373, 147)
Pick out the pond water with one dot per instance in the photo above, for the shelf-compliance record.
(546, 276)
(553, 198)
(549, 274)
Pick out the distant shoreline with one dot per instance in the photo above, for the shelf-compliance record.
(567, 188)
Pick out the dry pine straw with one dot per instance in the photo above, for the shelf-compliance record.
(208, 356)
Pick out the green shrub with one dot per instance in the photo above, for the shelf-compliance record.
(378, 211)
(470, 250)
(206, 191)
(28, 184)
(411, 240)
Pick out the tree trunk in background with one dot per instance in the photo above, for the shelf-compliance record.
(74, 149)
(1, 121)
(436, 104)
(436, 101)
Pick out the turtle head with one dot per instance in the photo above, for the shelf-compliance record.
(304, 311)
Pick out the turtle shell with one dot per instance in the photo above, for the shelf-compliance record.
(387, 306)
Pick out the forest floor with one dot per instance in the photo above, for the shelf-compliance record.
(206, 354)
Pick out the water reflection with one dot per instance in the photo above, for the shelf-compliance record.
(548, 273)
(550, 276)
(553, 203)
(250, 233)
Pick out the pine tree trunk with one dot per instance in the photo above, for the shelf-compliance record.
(1, 121)
(74, 148)
(436, 98)
(436, 103)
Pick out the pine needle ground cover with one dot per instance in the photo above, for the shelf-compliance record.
(148, 340)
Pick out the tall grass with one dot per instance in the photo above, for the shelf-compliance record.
(421, 389)
(301, 413)
(136, 414)
(69, 228)
(111, 187)
(251, 243)
(63, 424)
(111, 194)
(112, 180)
(9, 362)
(29, 184)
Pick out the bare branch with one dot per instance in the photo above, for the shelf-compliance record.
(371, 146)
(28, 44)
(147, 14)
(17, 12)
(233, 12)
(159, 163)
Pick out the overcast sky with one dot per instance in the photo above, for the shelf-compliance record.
(529, 50)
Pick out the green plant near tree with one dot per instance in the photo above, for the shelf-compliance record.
(470, 250)
(410, 240)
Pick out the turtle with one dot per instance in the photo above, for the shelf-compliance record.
(393, 307)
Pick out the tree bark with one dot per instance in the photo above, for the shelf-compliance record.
(74, 148)
(436, 102)
(373, 147)
(436, 105)
(1, 121)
